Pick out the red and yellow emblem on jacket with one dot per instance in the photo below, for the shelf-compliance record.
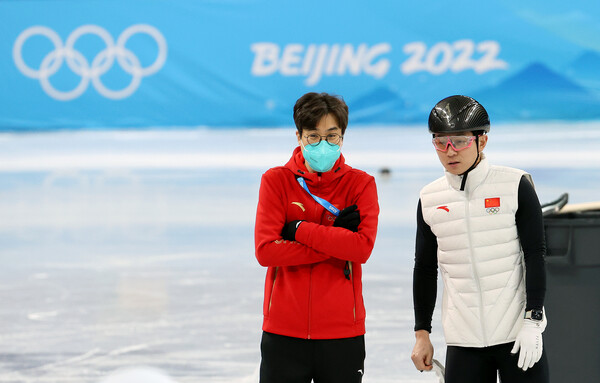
(492, 205)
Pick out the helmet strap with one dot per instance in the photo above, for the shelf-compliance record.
(465, 174)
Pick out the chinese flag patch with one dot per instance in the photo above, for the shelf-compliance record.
(492, 202)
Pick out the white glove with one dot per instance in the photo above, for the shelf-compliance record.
(530, 341)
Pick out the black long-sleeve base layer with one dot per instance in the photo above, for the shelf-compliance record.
(530, 227)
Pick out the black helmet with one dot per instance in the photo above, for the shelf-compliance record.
(458, 114)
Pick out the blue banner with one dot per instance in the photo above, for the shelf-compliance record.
(238, 63)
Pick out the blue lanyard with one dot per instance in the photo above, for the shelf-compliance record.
(327, 205)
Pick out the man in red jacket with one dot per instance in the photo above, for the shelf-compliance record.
(316, 224)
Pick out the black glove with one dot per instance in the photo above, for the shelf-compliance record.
(349, 218)
(289, 230)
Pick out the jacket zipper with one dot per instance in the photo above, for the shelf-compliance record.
(353, 292)
(309, 299)
(317, 209)
(273, 288)
(475, 273)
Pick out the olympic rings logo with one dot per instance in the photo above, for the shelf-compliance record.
(492, 210)
(101, 63)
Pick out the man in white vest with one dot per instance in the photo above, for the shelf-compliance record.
(482, 225)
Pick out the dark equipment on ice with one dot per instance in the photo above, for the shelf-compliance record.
(572, 290)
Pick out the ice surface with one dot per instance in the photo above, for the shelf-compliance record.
(124, 249)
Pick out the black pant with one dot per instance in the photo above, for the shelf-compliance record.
(480, 365)
(294, 360)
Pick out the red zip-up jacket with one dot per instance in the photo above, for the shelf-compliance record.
(307, 294)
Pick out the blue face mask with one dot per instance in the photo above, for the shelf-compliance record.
(321, 157)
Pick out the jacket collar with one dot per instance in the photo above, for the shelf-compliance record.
(297, 166)
(474, 178)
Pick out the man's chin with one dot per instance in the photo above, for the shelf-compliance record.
(453, 170)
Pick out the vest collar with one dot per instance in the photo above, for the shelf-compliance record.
(474, 178)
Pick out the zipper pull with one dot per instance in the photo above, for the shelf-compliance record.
(347, 270)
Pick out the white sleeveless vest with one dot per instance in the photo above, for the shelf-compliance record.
(479, 254)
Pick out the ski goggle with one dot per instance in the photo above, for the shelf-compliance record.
(458, 143)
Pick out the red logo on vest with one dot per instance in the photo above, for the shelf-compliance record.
(444, 208)
(492, 202)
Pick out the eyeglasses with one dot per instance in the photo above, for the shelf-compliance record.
(314, 139)
(458, 143)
